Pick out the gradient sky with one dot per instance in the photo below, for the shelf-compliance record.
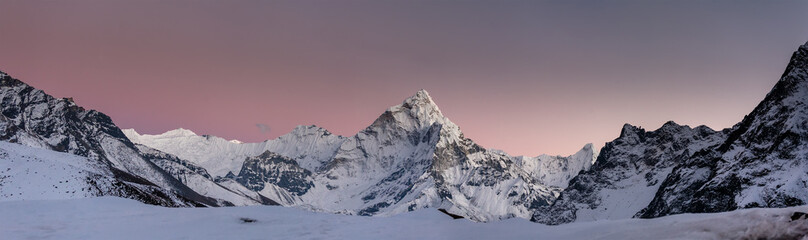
(528, 77)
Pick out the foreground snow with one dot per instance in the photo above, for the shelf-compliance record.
(118, 218)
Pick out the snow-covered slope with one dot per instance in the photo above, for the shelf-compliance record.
(309, 145)
(33, 118)
(199, 180)
(760, 162)
(554, 170)
(28, 173)
(115, 218)
(627, 173)
(411, 157)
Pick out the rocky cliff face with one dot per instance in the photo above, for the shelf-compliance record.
(411, 157)
(198, 179)
(763, 162)
(557, 171)
(627, 173)
(33, 118)
(760, 162)
(310, 146)
(271, 168)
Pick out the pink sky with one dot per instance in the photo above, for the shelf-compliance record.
(527, 78)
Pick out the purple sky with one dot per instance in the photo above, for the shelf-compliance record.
(527, 77)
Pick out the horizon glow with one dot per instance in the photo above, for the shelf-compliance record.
(525, 77)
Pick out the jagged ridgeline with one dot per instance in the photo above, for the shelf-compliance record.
(32, 118)
(760, 162)
(413, 157)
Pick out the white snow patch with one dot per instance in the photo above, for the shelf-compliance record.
(117, 218)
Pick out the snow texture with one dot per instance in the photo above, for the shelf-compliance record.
(760, 162)
(28, 173)
(33, 118)
(309, 145)
(115, 218)
(411, 157)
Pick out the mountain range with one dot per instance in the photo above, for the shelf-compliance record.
(412, 157)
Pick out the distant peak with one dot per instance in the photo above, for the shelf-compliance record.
(423, 94)
(8, 81)
(302, 131)
(417, 111)
(792, 84)
(420, 98)
(179, 132)
(306, 127)
(798, 62)
(422, 104)
(129, 131)
(629, 127)
(704, 128)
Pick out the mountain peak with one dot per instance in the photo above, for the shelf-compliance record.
(131, 134)
(421, 98)
(422, 94)
(792, 88)
(672, 126)
(799, 61)
(306, 127)
(7, 80)
(179, 132)
(417, 110)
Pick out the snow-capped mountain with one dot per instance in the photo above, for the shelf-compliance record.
(309, 145)
(33, 118)
(276, 176)
(552, 170)
(411, 157)
(627, 173)
(760, 162)
(28, 173)
(198, 179)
